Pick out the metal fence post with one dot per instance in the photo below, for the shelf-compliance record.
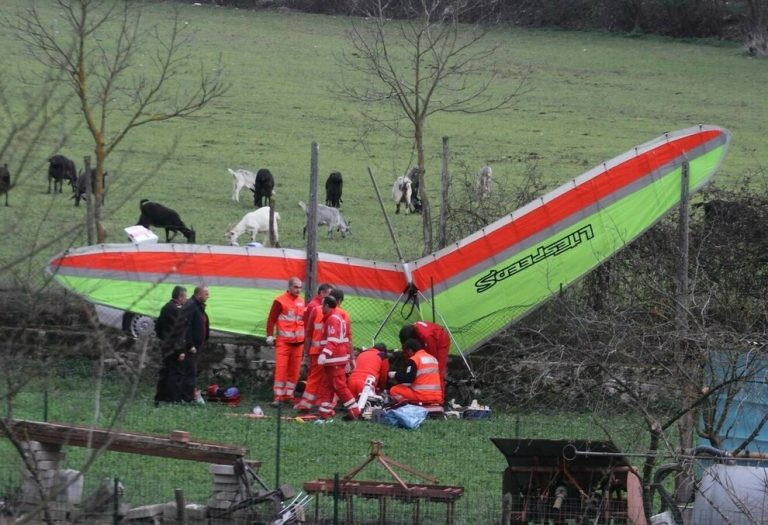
(336, 499)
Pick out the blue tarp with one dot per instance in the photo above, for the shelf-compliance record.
(748, 405)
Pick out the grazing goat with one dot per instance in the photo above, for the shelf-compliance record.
(256, 222)
(725, 211)
(60, 168)
(80, 188)
(327, 215)
(402, 193)
(154, 214)
(333, 189)
(241, 179)
(483, 183)
(5, 182)
(262, 188)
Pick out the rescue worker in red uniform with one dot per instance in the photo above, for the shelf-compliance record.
(372, 362)
(435, 340)
(339, 296)
(334, 358)
(287, 315)
(313, 326)
(420, 381)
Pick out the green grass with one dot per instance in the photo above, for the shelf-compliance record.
(591, 96)
(457, 452)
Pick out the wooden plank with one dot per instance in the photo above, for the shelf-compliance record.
(129, 442)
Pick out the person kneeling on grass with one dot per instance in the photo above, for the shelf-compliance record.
(420, 381)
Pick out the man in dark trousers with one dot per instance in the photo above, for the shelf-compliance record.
(197, 325)
(169, 326)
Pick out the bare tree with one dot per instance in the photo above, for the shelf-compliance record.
(97, 44)
(417, 57)
(755, 27)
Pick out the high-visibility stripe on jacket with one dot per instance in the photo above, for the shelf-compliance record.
(335, 340)
(290, 322)
(315, 331)
(427, 373)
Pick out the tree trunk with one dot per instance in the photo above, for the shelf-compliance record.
(442, 240)
(426, 212)
(98, 189)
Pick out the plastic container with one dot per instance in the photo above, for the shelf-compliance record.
(472, 413)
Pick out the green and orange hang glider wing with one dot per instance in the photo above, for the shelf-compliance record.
(482, 283)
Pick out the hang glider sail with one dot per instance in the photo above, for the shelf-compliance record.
(481, 284)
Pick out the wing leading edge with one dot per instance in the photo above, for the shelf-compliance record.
(482, 283)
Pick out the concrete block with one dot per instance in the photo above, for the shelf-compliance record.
(221, 469)
(146, 511)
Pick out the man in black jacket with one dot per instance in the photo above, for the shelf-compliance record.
(197, 325)
(169, 326)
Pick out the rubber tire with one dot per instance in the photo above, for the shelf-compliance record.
(138, 325)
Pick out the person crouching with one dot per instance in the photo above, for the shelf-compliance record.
(420, 381)
(334, 358)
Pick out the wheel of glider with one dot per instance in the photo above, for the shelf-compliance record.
(138, 326)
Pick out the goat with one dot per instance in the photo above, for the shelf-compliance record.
(483, 183)
(256, 222)
(413, 174)
(5, 182)
(154, 214)
(327, 215)
(725, 211)
(60, 168)
(241, 179)
(402, 193)
(81, 190)
(262, 188)
(333, 189)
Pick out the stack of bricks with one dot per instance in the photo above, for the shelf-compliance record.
(45, 460)
(228, 489)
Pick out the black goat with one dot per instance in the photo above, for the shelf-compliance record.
(154, 214)
(726, 211)
(262, 188)
(333, 189)
(416, 205)
(5, 182)
(80, 188)
(60, 168)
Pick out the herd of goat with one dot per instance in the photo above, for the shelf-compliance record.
(405, 191)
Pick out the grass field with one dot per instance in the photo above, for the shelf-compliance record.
(457, 452)
(590, 96)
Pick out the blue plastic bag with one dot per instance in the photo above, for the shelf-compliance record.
(407, 416)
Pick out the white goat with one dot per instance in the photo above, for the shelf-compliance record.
(484, 178)
(327, 215)
(241, 179)
(401, 193)
(256, 222)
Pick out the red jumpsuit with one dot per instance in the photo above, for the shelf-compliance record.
(336, 352)
(437, 343)
(314, 326)
(287, 314)
(369, 363)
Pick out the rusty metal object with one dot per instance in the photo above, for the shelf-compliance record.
(399, 489)
(548, 481)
